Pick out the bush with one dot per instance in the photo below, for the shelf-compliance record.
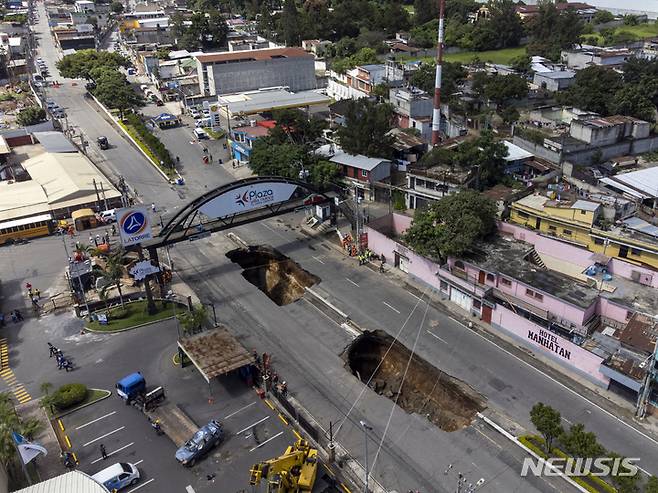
(69, 395)
(150, 140)
(30, 116)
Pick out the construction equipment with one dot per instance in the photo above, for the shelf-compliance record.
(292, 472)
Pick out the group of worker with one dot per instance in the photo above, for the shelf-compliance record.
(62, 362)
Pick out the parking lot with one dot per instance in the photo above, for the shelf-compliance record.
(253, 432)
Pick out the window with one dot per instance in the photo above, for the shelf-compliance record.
(490, 277)
(530, 292)
(551, 228)
(598, 241)
(505, 282)
(523, 215)
(364, 173)
(444, 285)
(567, 232)
(636, 252)
(477, 304)
(629, 314)
(420, 183)
(459, 265)
(583, 212)
(413, 124)
(539, 297)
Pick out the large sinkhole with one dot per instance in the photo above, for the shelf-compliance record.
(281, 279)
(446, 401)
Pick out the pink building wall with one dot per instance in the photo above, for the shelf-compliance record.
(549, 344)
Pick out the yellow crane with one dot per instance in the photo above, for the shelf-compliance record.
(292, 472)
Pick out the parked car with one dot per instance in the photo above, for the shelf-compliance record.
(201, 443)
(202, 122)
(50, 103)
(109, 216)
(132, 71)
(103, 143)
(200, 134)
(194, 113)
(58, 113)
(117, 476)
(206, 113)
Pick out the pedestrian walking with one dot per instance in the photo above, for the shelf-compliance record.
(52, 350)
(14, 317)
(153, 206)
(28, 286)
(98, 239)
(37, 293)
(103, 451)
(177, 160)
(114, 230)
(91, 239)
(107, 237)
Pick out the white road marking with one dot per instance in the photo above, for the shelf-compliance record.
(318, 259)
(350, 330)
(437, 337)
(103, 436)
(392, 308)
(189, 489)
(114, 452)
(138, 462)
(239, 410)
(268, 440)
(567, 420)
(488, 438)
(418, 298)
(639, 432)
(350, 280)
(252, 425)
(141, 485)
(95, 420)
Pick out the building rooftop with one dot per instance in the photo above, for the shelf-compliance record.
(642, 183)
(508, 257)
(585, 205)
(253, 55)
(559, 74)
(253, 102)
(444, 173)
(640, 333)
(516, 153)
(357, 161)
(66, 483)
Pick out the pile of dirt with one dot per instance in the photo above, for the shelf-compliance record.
(446, 401)
(281, 279)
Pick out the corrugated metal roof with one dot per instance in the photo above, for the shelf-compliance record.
(644, 180)
(74, 481)
(621, 186)
(637, 224)
(516, 153)
(358, 161)
(55, 142)
(585, 205)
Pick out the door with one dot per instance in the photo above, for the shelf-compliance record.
(486, 313)
(623, 251)
(538, 223)
(481, 277)
(461, 299)
(404, 264)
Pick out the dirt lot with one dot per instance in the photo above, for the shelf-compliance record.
(281, 279)
(447, 402)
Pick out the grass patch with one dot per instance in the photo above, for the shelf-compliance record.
(646, 30)
(93, 395)
(152, 157)
(133, 314)
(503, 56)
(410, 9)
(214, 134)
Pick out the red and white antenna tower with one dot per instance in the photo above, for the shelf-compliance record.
(436, 115)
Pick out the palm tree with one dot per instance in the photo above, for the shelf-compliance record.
(194, 320)
(10, 422)
(114, 270)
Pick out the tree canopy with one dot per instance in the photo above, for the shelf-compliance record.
(580, 443)
(593, 89)
(30, 116)
(548, 422)
(451, 226)
(80, 64)
(366, 128)
(208, 30)
(113, 90)
(552, 30)
(452, 75)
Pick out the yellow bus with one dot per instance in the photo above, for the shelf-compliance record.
(28, 227)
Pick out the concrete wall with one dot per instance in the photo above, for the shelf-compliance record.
(338, 91)
(296, 73)
(537, 150)
(549, 344)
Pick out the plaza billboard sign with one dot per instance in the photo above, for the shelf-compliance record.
(247, 198)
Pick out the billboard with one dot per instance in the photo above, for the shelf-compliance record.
(247, 198)
(134, 225)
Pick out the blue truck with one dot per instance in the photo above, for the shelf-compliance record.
(132, 389)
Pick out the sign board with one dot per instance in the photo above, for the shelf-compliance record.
(134, 225)
(214, 115)
(247, 198)
(142, 269)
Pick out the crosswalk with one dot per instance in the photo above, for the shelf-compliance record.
(7, 374)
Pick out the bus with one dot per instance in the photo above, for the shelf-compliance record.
(28, 227)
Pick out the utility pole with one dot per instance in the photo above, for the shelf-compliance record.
(366, 428)
(436, 115)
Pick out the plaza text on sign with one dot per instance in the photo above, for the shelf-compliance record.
(248, 198)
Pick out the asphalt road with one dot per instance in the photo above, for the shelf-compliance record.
(307, 345)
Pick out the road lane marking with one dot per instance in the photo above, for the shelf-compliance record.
(138, 462)
(437, 337)
(95, 420)
(189, 489)
(350, 280)
(114, 452)
(252, 425)
(409, 292)
(103, 436)
(560, 384)
(567, 420)
(239, 410)
(318, 259)
(268, 440)
(283, 419)
(141, 485)
(485, 436)
(61, 425)
(392, 308)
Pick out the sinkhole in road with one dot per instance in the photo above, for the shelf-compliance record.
(446, 401)
(281, 279)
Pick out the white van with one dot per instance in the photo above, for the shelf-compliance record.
(117, 476)
(203, 122)
(200, 133)
(109, 216)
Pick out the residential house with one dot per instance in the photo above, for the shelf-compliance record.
(554, 81)
(242, 138)
(425, 186)
(581, 58)
(235, 72)
(362, 172)
(585, 12)
(360, 81)
(413, 109)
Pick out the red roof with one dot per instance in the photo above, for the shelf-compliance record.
(253, 55)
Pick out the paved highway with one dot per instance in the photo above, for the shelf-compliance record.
(307, 345)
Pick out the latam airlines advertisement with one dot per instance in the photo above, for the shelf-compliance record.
(248, 198)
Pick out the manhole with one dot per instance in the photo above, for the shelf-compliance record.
(281, 279)
(446, 401)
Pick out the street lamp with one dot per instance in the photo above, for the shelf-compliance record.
(211, 305)
(366, 428)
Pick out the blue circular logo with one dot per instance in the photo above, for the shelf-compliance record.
(133, 223)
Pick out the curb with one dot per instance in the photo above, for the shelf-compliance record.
(71, 411)
(94, 331)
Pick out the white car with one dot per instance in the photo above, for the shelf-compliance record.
(118, 476)
(200, 134)
(206, 113)
(194, 113)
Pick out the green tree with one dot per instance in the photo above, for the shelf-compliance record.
(603, 17)
(294, 127)
(451, 226)
(324, 173)
(521, 63)
(364, 56)
(193, 321)
(285, 160)
(594, 89)
(116, 7)
(425, 11)
(548, 422)
(580, 443)
(632, 100)
(10, 422)
(366, 129)
(290, 23)
(80, 64)
(452, 75)
(114, 91)
(500, 89)
(216, 30)
(506, 23)
(114, 271)
(30, 116)
(652, 485)
(552, 31)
